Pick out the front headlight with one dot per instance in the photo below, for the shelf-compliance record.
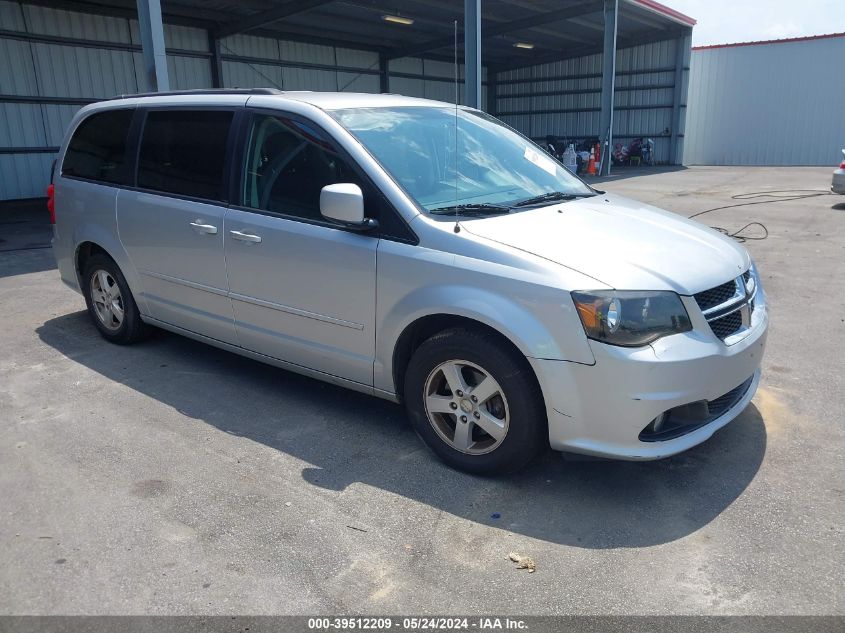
(630, 318)
(754, 274)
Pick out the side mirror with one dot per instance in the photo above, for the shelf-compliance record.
(344, 203)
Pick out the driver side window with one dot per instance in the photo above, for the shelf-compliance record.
(288, 162)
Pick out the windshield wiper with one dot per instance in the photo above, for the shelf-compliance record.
(552, 196)
(474, 208)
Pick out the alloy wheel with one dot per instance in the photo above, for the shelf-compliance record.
(466, 407)
(107, 300)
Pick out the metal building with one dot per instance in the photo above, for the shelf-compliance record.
(767, 103)
(542, 63)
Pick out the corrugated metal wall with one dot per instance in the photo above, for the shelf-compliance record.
(430, 79)
(57, 60)
(563, 98)
(251, 62)
(767, 104)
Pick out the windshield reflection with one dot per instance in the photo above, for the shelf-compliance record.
(495, 165)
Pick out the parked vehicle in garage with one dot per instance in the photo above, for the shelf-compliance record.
(838, 185)
(356, 239)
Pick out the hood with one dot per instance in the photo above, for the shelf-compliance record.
(622, 243)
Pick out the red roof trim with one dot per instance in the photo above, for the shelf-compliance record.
(664, 10)
(806, 38)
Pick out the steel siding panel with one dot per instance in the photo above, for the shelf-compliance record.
(21, 125)
(187, 73)
(250, 46)
(241, 75)
(356, 82)
(742, 113)
(24, 175)
(642, 116)
(301, 52)
(357, 59)
(11, 16)
(56, 120)
(66, 71)
(185, 38)
(85, 26)
(17, 74)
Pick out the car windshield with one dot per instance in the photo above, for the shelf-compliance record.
(496, 167)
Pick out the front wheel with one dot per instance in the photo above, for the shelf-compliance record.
(475, 402)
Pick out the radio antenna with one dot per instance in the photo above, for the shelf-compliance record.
(457, 226)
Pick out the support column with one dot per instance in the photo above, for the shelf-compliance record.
(216, 64)
(682, 45)
(383, 73)
(608, 83)
(492, 91)
(472, 53)
(152, 43)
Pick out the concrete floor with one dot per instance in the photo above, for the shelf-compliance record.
(173, 478)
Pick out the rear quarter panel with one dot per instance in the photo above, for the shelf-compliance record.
(85, 212)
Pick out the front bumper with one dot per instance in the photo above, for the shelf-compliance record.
(601, 409)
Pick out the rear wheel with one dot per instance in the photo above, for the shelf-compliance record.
(475, 402)
(110, 302)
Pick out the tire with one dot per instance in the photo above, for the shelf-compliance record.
(515, 415)
(110, 302)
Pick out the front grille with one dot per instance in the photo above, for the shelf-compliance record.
(728, 306)
(689, 417)
(727, 325)
(716, 296)
(720, 405)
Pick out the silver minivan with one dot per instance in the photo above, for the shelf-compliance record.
(417, 251)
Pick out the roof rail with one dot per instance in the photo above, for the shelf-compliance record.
(205, 91)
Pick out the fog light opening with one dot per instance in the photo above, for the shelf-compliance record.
(657, 423)
(688, 417)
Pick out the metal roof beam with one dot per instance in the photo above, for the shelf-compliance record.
(264, 18)
(325, 37)
(572, 53)
(646, 20)
(128, 10)
(501, 28)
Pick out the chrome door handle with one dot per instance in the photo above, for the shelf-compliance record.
(245, 237)
(201, 227)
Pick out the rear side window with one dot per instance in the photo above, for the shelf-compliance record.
(97, 150)
(184, 152)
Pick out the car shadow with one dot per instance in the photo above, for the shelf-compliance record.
(25, 236)
(623, 172)
(25, 261)
(348, 437)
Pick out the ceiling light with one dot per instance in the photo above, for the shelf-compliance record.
(397, 19)
(527, 45)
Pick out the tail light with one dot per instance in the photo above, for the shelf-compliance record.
(51, 202)
(842, 165)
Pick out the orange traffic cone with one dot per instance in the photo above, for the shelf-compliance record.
(591, 166)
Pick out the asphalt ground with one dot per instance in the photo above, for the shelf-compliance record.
(173, 478)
